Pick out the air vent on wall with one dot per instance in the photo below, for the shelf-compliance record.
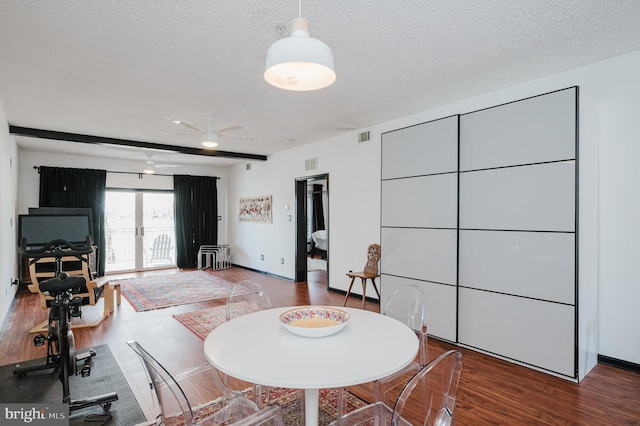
(311, 164)
(364, 136)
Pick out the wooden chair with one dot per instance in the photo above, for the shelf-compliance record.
(44, 268)
(370, 273)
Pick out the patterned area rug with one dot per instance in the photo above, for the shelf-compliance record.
(161, 291)
(202, 321)
(291, 402)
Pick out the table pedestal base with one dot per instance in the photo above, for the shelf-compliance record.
(311, 404)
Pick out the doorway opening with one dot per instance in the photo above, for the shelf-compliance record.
(139, 230)
(312, 229)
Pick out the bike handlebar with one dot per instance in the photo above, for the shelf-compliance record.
(57, 248)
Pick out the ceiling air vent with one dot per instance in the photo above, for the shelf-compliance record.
(311, 164)
(364, 136)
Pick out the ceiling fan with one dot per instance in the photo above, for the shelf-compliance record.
(210, 136)
(151, 166)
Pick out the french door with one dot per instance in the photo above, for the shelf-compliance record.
(140, 230)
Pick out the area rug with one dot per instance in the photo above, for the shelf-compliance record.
(161, 291)
(44, 387)
(202, 321)
(292, 403)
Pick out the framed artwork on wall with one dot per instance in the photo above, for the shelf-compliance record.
(255, 209)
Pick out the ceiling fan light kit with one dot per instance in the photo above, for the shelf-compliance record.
(209, 144)
(300, 62)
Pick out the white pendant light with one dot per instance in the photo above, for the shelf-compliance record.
(299, 62)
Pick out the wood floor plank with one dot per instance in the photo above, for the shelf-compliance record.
(491, 392)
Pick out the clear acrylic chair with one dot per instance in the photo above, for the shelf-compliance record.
(220, 406)
(246, 297)
(429, 397)
(407, 304)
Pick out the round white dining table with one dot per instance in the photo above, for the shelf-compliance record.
(257, 348)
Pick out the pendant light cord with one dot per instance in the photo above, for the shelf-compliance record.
(299, 8)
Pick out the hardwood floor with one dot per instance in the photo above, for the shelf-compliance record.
(491, 391)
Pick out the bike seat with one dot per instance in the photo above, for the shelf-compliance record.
(57, 285)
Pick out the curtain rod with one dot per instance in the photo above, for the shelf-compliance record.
(140, 175)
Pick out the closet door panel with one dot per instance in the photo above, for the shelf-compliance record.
(426, 201)
(423, 149)
(533, 130)
(425, 254)
(537, 197)
(538, 265)
(441, 304)
(537, 333)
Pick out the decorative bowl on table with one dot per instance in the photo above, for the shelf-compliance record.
(314, 321)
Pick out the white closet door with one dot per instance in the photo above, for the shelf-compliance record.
(425, 201)
(538, 333)
(424, 254)
(423, 149)
(534, 198)
(538, 265)
(534, 130)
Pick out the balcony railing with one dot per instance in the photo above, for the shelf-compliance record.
(158, 248)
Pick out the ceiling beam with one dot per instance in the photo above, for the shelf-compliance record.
(76, 137)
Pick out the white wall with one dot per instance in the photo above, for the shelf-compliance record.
(353, 207)
(8, 216)
(354, 194)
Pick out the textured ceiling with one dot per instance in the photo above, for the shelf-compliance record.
(117, 69)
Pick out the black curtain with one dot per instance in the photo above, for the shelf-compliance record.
(196, 199)
(78, 188)
(318, 209)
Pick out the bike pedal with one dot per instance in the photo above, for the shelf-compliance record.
(85, 371)
(86, 356)
(39, 340)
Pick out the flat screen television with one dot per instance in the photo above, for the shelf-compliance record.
(65, 211)
(40, 229)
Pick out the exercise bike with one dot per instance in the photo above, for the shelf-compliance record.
(63, 308)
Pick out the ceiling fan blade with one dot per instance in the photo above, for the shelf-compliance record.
(241, 138)
(188, 125)
(229, 129)
(177, 134)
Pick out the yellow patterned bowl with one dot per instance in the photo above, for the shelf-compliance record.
(314, 321)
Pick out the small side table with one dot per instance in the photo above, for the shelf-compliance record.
(363, 277)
